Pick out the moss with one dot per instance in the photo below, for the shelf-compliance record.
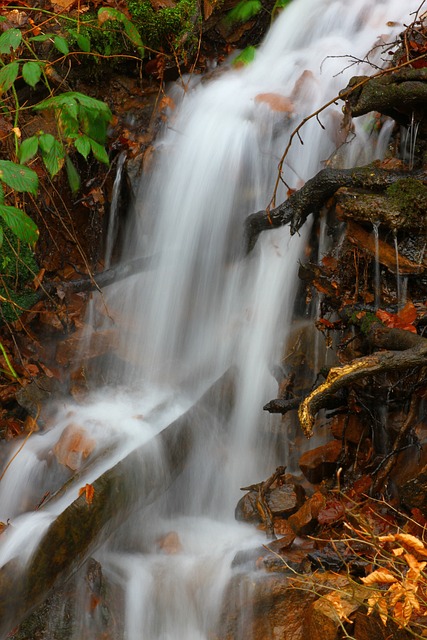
(168, 27)
(365, 321)
(410, 197)
(17, 269)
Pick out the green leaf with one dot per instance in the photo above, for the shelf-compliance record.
(31, 72)
(83, 42)
(8, 76)
(244, 11)
(91, 103)
(93, 123)
(18, 177)
(68, 119)
(1, 237)
(1, 194)
(99, 152)
(108, 13)
(245, 57)
(46, 142)
(61, 44)
(42, 38)
(73, 176)
(82, 145)
(10, 39)
(19, 223)
(28, 149)
(54, 158)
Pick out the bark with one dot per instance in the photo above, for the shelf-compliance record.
(314, 194)
(132, 483)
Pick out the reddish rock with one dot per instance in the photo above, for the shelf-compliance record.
(321, 462)
(349, 428)
(306, 517)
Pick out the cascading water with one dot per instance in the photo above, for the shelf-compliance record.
(201, 310)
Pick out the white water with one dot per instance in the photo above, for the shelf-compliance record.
(201, 310)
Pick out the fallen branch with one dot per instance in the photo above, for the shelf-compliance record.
(367, 366)
(313, 195)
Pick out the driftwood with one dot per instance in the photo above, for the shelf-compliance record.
(315, 193)
(82, 527)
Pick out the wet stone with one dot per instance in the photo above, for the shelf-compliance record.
(321, 462)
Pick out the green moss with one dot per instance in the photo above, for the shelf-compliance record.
(17, 269)
(168, 27)
(410, 197)
(365, 322)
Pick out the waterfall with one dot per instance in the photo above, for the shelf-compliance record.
(204, 309)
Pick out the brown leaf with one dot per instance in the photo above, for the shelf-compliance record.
(276, 102)
(379, 576)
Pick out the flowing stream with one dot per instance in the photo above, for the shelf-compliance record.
(200, 311)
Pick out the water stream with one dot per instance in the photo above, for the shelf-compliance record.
(202, 310)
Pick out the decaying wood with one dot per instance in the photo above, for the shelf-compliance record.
(367, 366)
(82, 527)
(315, 193)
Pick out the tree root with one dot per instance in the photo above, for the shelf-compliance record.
(367, 366)
(313, 195)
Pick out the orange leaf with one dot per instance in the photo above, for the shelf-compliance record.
(89, 492)
(276, 102)
(408, 314)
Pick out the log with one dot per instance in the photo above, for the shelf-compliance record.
(315, 193)
(134, 482)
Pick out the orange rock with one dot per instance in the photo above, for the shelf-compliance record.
(73, 446)
(170, 543)
(321, 462)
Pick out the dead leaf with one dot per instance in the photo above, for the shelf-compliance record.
(401, 320)
(38, 279)
(276, 102)
(379, 576)
(89, 492)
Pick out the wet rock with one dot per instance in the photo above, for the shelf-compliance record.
(413, 493)
(348, 427)
(321, 462)
(371, 628)
(263, 607)
(305, 519)
(73, 447)
(282, 501)
(326, 616)
(35, 394)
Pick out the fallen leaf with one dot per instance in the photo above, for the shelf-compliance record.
(89, 492)
(276, 102)
(379, 576)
